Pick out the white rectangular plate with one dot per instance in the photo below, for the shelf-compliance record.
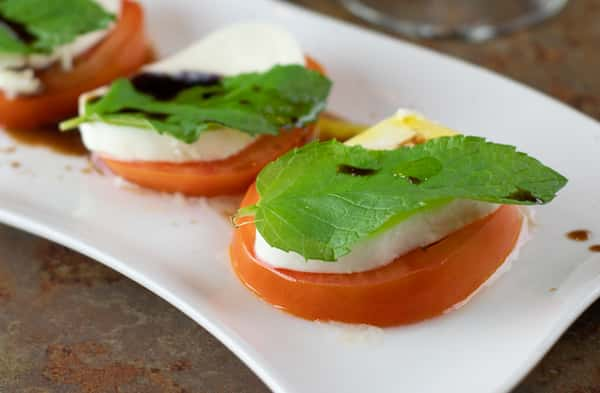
(179, 249)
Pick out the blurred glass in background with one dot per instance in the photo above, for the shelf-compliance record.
(474, 20)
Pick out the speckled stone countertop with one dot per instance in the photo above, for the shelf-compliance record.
(70, 325)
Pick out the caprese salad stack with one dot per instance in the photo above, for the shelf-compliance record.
(52, 51)
(206, 120)
(399, 224)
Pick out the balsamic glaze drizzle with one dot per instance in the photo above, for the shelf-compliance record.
(164, 86)
(355, 171)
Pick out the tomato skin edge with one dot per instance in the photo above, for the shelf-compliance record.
(230, 176)
(417, 286)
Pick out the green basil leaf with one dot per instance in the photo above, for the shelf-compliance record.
(320, 200)
(284, 97)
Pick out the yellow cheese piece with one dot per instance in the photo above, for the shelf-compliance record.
(427, 129)
(403, 128)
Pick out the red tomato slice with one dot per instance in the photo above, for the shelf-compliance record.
(416, 286)
(210, 178)
(121, 53)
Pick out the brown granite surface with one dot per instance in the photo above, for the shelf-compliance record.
(70, 325)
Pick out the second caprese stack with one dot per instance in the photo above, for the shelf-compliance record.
(206, 120)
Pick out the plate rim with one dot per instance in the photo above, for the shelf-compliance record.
(246, 354)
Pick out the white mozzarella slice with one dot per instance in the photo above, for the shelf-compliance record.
(233, 50)
(134, 144)
(419, 230)
(13, 83)
(12, 61)
(246, 47)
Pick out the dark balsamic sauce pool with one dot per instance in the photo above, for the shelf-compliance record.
(579, 235)
(524, 196)
(355, 171)
(583, 235)
(164, 86)
(69, 143)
